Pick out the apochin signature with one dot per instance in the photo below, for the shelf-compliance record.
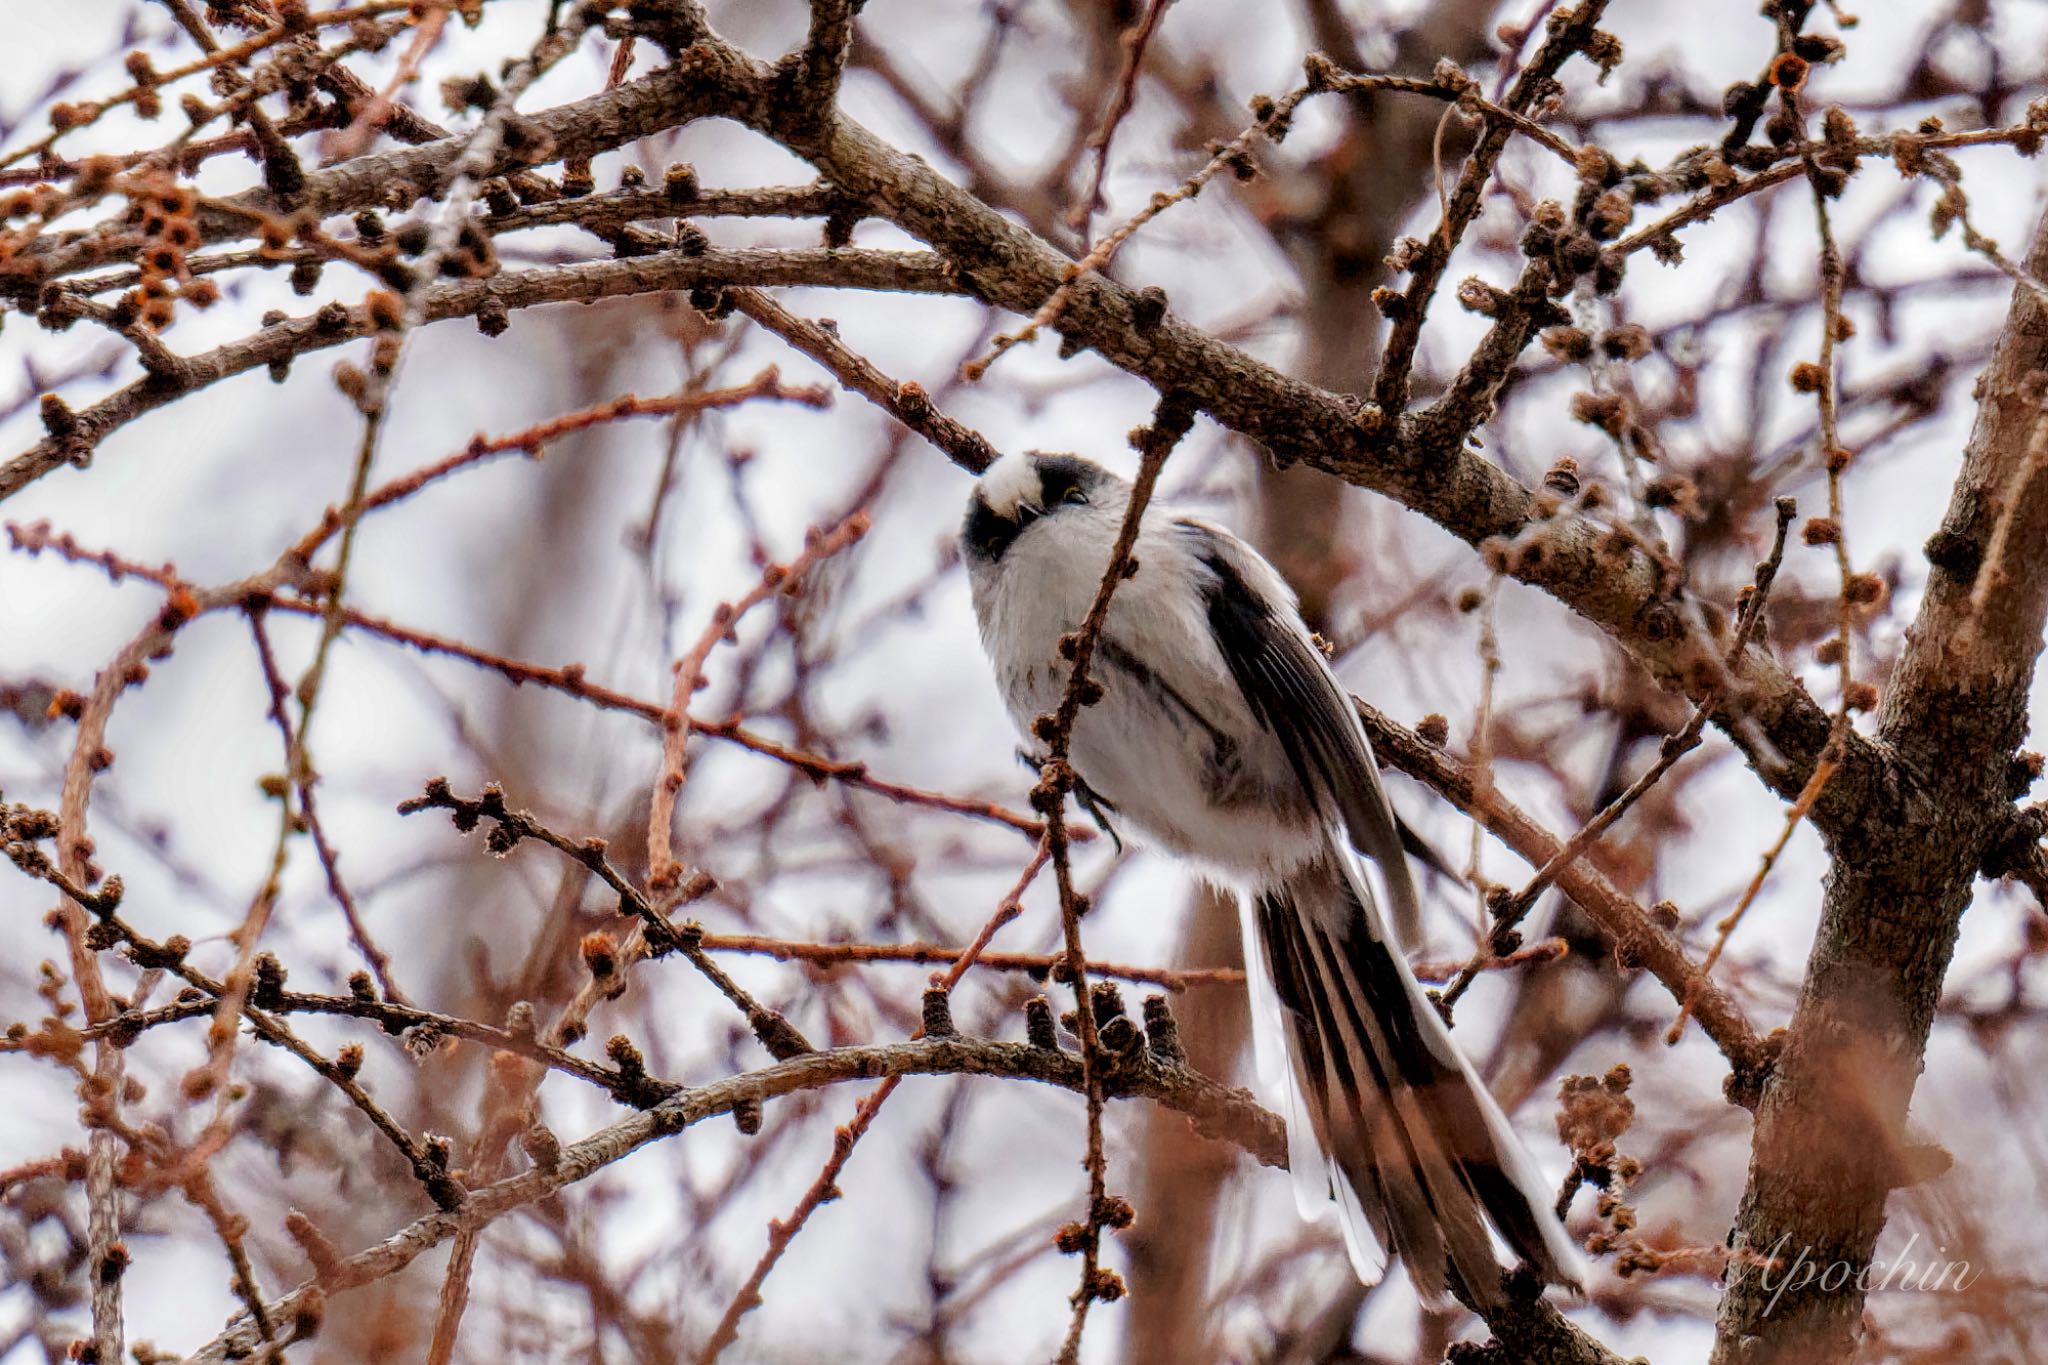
(1776, 1276)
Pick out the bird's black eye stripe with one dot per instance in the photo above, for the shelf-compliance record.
(1056, 485)
(988, 534)
(1065, 480)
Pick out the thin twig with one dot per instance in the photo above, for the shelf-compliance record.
(1390, 386)
(1641, 938)
(664, 873)
(302, 778)
(568, 679)
(1835, 459)
(1134, 40)
(655, 934)
(907, 402)
(1511, 912)
(782, 1231)
(1170, 423)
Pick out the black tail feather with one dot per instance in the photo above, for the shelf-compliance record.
(1397, 1112)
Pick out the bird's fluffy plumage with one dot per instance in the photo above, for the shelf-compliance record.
(1223, 735)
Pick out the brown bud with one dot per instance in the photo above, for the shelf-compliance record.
(1864, 589)
(58, 418)
(1630, 341)
(1673, 491)
(938, 1013)
(1569, 344)
(1114, 1211)
(385, 310)
(599, 954)
(1788, 72)
(1477, 296)
(1163, 1034)
(1818, 48)
(1038, 1027)
(1148, 307)
(1610, 214)
(625, 1056)
(1562, 478)
(1597, 166)
(1607, 411)
(541, 1146)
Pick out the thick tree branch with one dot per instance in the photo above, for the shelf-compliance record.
(394, 180)
(1622, 591)
(493, 298)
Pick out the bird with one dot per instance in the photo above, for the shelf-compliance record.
(1221, 734)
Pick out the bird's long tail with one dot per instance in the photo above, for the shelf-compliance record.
(1419, 1158)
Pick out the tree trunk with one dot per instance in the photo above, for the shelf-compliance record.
(1830, 1133)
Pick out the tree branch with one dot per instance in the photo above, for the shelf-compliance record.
(493, 298)
(396, 179)
(1224, 1113)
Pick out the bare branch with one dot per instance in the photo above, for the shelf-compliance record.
(1229, 1115)
(280, 343)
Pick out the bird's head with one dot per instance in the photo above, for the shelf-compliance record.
(1018, 491)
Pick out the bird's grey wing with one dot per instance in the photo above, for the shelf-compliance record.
(1294, 694)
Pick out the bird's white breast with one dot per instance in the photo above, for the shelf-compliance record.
(1149, 759)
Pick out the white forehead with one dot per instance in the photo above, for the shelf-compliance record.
(1011, 482)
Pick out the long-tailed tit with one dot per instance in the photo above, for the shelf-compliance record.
(1222, 734)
